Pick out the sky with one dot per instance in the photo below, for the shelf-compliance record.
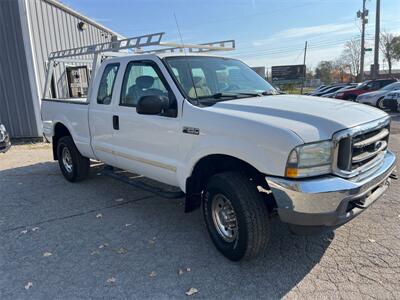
(267, 32)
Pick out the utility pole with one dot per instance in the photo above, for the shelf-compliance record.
(377, 33)
(305, 69)
(362, 15)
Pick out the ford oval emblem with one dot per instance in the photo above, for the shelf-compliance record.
(377, 145)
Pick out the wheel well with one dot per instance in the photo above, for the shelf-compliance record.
(377, 101)
(218, 163)
(59, 131)
(350, 97)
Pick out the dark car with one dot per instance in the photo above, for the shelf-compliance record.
(5, 143)
(365, 87)
(329, 90)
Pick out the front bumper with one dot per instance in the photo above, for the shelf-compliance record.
(330, 200)
(5, 145)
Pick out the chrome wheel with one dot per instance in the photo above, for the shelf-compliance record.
(224, 218)
(67, 160)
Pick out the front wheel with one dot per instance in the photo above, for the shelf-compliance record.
(379, 103)
(236, 216)
(73, 165)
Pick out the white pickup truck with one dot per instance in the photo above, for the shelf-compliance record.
(214, 128)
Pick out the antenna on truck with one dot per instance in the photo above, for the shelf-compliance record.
(187, 61)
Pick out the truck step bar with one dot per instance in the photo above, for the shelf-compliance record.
(168, 192)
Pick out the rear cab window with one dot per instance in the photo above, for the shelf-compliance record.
(107, 82)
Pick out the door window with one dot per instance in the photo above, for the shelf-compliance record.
(107, 82)
(141, 79)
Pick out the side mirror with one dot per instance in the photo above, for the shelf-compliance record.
(152, 105)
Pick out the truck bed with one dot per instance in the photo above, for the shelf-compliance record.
(73, 114)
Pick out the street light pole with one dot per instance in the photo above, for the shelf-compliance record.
(362, 15)
(305, 69)
(377, 33)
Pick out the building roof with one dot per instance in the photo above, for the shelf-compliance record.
(83, 17)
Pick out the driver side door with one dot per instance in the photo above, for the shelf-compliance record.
(146, 144)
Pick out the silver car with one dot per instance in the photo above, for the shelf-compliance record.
(376, 98)
(5, 143)
(392, 101)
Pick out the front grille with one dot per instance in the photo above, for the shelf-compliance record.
(360, 149)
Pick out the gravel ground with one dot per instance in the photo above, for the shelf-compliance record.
(105, 239)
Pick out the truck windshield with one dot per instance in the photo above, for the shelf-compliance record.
(217, 79)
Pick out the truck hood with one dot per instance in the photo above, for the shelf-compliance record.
(311, 118)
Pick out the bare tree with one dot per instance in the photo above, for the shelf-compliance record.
(386, 44)
(351, 56)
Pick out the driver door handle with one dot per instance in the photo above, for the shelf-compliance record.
(116, 122)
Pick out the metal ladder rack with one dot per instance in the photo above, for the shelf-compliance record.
(113, 48)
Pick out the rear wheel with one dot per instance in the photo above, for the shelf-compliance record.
(73, 165)
(236, 216)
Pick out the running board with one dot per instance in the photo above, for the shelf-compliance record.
(111, 172)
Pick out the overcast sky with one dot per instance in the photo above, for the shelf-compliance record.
(267, 32)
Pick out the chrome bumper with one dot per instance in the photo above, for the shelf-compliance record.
(4, 146)
(330, 200)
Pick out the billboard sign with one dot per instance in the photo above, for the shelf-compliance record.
(288, 74)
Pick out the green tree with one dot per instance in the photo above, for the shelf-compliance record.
(396, 47)
(390, 48)
(324, 71)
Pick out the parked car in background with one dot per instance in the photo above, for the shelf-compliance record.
(376, 98)
(317, 89)
(329, 90)
(321, 89)
(346, 87)
(5, 143)
(365, 87)
(392, 101)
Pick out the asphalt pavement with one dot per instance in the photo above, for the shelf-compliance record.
(102, 238)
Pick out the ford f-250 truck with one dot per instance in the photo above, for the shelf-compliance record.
(214, 128)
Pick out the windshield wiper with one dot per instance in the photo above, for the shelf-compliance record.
(249, 94)
(219, 96)
(269, 93)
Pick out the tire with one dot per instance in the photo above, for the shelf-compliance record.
(351, 98)
(73, 165)
(379, 103)
(250, 212)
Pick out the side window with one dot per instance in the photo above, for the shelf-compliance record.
(376, 85)
(385, 83)
(107, 82)
(141, 79)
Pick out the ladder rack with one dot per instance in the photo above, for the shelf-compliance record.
(113, 48)
(227, 45)
(140, 42)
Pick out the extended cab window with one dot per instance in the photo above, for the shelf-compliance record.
(141, 79)
(107, 84)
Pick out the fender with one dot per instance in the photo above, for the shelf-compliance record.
(257, 155)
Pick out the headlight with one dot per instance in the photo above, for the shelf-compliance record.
(310, 160)
(339, 94)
